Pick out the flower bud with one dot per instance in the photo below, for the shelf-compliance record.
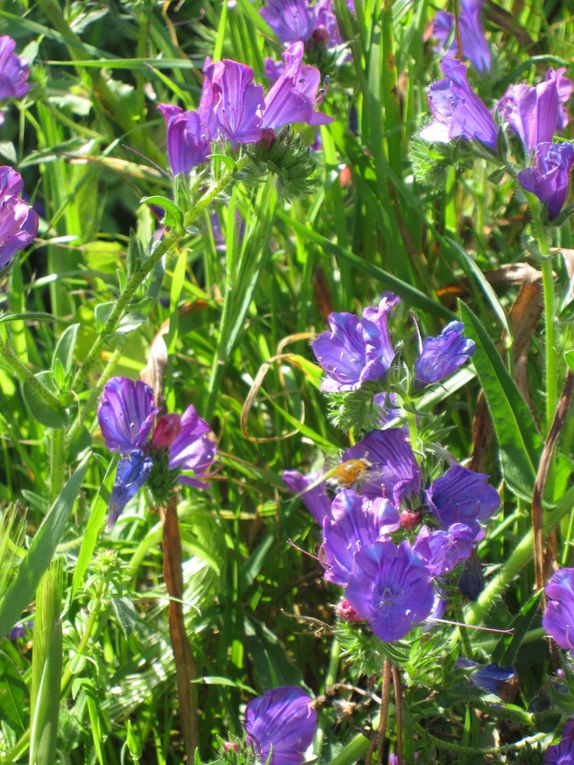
(166, 431)
(347, 613)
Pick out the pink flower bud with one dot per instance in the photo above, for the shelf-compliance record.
(410, 520)
(230, 746)
(166, 431)
(347, 613)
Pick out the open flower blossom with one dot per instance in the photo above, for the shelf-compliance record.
(18, 221)
(234, 106)
(443, 550)
(316, 499)
(537, 112)
(562, 753)
(14, 71)
(473, 42)
(461, 496)
(457, 111)
(280, 725)
(356, 350)
(357, 522)
(293, 20)
(391, 588)
(126, 415)
(393, 471)
(441, 356)
(549, 176)
(558, 619)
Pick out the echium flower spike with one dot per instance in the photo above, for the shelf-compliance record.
(457, 111)
(18, 221)
(280, 725)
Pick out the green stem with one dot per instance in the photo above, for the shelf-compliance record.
(69, 673)
(352, 753)
(57, 462)
(24, 374)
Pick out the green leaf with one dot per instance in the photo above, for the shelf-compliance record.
(507, 648)
(40, 409)
(13, 695)
(42, 548)
(519, 442)
(173, 216)
(64, 350)
(569, 359)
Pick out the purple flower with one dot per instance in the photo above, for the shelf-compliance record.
(536, 112)
(126, 413)
(357, 523)
(558, 619)
(294, 20)
(18, 221)
(273, 69)
(316, 500)
(549, 176)
(494, 679)
(461, 496)
(443, 355)
(444, 550)
(192, 449)
(238, 101)
(132, 473)
(471, 582)
(356, 350)
(14, 71)
(457, 111)
(391, 588)
(293, 97)
(394, 472)
(562, 753)
(280, 725)
(188, 140)
(473, 41)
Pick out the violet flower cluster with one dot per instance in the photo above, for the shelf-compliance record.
(14, 72)
(280, 725)
(356, 351)
(534, 113)
(234, 107)
(392, 576)
(18, 221)
(126, 414)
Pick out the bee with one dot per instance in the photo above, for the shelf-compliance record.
(349, 474)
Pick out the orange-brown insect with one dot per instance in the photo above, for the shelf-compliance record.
(351, 473)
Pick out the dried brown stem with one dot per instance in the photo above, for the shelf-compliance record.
(185, 668)
(378, 741)
(542, 475)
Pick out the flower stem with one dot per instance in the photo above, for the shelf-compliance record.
(185, 667)
(57, 462)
